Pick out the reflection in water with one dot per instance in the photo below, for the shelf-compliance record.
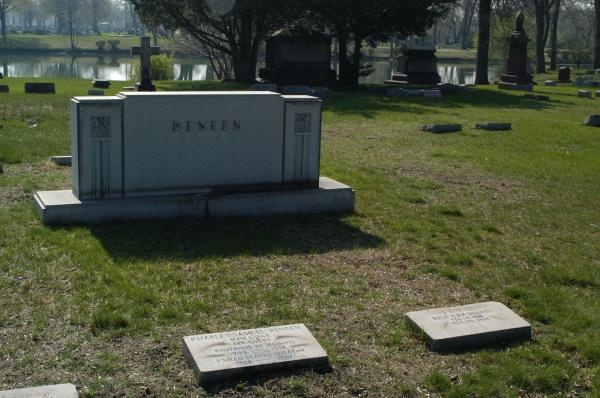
(458, 73)
(121, 68)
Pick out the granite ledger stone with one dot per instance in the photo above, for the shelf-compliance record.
(194, 154)
(56, 391)
(469, 326)
(225, 356)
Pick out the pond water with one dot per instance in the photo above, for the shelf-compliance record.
(120, 68)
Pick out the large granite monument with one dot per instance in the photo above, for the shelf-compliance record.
(194, 154)
(298, 59)
(417, 66)
(517, 76)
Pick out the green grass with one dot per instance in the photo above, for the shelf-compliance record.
(440, 220)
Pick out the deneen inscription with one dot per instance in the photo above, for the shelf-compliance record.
(206, 125)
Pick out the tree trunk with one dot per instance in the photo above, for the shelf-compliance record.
(356, 57)
(540, 21)
(3, 21)
(466, 26)
(344, 75)
(554, 35)
(597, 39)
(483, 42)
(95, 27)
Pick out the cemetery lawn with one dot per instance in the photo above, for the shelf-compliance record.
(440, 220)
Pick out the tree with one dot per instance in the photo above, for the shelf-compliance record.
(239, 34)
(554, 34)
(597, 36)
(483, 42)
(356, 22)
(542, 23)
(68, 13)
(4, 6)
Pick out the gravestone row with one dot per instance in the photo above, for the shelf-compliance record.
(236, 355)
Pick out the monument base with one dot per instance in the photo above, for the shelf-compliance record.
(514, 86)
(145, 87)
(64, 208)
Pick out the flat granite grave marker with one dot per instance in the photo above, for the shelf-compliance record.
(61, 160)
(194, 155)
(584, 94)
(56, 391)
(592, 120)
(494, 126)
(224, 356)
(40, 88)
(96, 91)
(442, 128)
(469, 326)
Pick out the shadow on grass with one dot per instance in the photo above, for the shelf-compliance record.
(190, 85)
(367, 105)
(189, 240)
(261, 378)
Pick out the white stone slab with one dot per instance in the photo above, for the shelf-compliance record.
(56, 391)
(229, 355)
(64, 208)
(469, 326)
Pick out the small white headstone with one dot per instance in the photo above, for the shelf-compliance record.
(56, 391)
(222, 356)
(469, 326)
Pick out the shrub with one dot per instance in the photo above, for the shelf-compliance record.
(161, 66)
(101, 44)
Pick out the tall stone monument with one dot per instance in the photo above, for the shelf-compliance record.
(417, 66)
(194, 155)
(298, 58)
(517, 76)
(145, 51)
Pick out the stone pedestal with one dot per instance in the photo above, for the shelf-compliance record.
(298, 59)
(417, 66)
(564, 75)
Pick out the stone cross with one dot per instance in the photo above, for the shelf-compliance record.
(145, 51)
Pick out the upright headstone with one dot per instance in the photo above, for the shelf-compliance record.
(40, 88)
(97, 83)
(228, 356)
(145, 51)
(417, 66)
(4, 88)
(564, 75)
(56, 391)
(517, 75)
(194, 154)
(298, 58)
(469, 326)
